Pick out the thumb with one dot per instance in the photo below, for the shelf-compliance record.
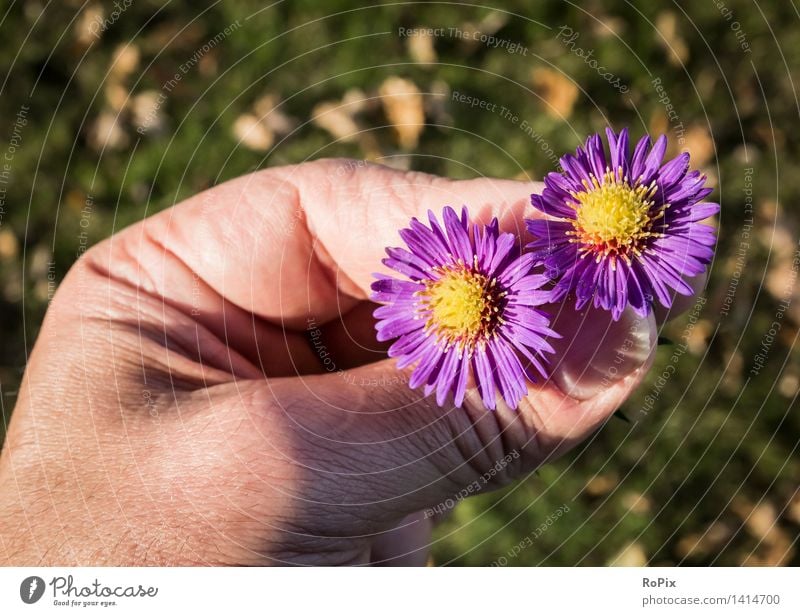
(378, 450)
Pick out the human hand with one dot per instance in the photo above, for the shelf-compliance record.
(207, 388)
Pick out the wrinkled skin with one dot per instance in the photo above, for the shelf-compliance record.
(175, 411)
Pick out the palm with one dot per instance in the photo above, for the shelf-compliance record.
(149, 389)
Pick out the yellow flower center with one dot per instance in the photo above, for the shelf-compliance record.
(461, 307)
(613, 218)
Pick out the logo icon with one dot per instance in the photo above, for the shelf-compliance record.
(31, 589)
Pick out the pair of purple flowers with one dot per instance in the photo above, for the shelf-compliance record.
(622, 230)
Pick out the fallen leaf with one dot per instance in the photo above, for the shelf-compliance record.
(675, 47)
(404, 108)
(116, 95)
(632, 555)
(637, 503)
(89, 27)
(600, 485)
(146, 111)
(252, 134)
(9, 245)
(558, 92)
(707, 543)
(698, 142)
(333, 117)
(124, 61)
(420, 48)
(270, 113)
(105, 132)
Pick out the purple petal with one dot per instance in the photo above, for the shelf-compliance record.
(483, 375)
(459, 238)
(447, 375)
(461, 383)
(619, 150)
(637, 161)
(701, 211)
(552, 206)
(653, 160)
(674, 170)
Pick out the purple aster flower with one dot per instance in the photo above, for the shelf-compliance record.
(623, 228)
(467, 304)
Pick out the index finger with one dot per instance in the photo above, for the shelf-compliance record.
(293, 243)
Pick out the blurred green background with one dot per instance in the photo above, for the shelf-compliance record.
(96, 132)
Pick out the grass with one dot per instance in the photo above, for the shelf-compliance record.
(690, 481)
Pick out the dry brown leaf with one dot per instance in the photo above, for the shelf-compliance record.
(420, 48)
(793, 510)
(9, 245)
(404, 108)
(252, 134)
(697, 338)
(437, 104)
(333, 117)
(606, 26)
(12, 286)
(116, 95)
(674, 45)
(40, 259)
(637, 503)
(557, 90)
(209, 64)
(269, 112)
(734, 371)
(88, 27)
(762, 520)
(632, 555)
(124, 61)
(787, 387)
(701, 545)
(776, 234)
(493, 21)
(775, 546)
(600, 485)
(146, 111)
(106, 133)
(699, 144)
(355, 101)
